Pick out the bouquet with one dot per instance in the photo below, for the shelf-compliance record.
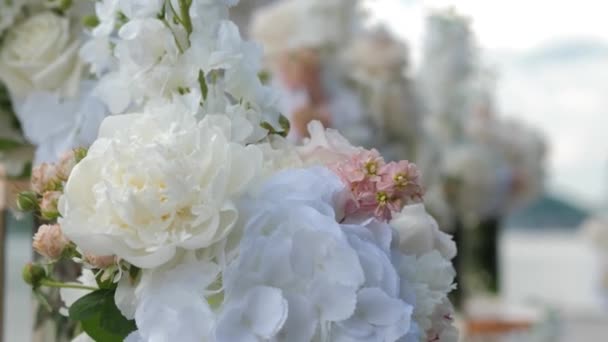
(195, 220)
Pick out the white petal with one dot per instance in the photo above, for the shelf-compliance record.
(266, 311)
(376, 307)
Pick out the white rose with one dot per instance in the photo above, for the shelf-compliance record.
(154, 184)
(41, 53)
(419, 233)
(11, 10)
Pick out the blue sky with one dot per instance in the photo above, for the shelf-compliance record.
(552, 59)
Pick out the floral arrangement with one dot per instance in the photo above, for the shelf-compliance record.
(195, 220)
(47, 93)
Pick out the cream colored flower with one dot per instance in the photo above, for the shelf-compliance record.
(41, 53)
(50, 242)
(153, 184)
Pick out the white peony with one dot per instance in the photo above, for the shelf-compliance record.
(41, 53)
(153, 184)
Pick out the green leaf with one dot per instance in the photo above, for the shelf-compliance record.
(90, 305)
(93, 328)
(111, 319)
(100, 317)
(285, 125)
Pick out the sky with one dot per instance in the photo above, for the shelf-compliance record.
(552, 62)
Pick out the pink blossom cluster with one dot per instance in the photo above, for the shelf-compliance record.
(378, 188)
(47, 182)
(47, 185)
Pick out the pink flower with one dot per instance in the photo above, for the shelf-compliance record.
(100, 262)
(363, 166)
(50, 242)
(45, 178)
(402, 179)
(48, 205)
(378, 189)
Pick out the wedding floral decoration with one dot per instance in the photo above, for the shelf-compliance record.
(195, 220)
(48, 90)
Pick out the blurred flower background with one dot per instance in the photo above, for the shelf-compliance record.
(551, 61)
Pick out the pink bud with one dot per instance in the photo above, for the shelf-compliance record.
(100, 262)
(66, 164)
(50, 242)
(48, 205)
(45, 178)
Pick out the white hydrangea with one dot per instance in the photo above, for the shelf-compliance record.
(56, 125)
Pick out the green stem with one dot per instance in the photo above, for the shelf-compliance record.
(59, 285)
(43, 301)
(184, 8)
(179, 46)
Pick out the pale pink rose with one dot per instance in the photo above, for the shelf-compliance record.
(325, 146)
(45, 178)
(100, 262)
(48, 205)
(50, 242)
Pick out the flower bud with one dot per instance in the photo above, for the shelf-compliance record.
(33, 274)
(100, 262)
(27, 201)
(48, 205)
(66, 164)
(50, 242)
(45, 178)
